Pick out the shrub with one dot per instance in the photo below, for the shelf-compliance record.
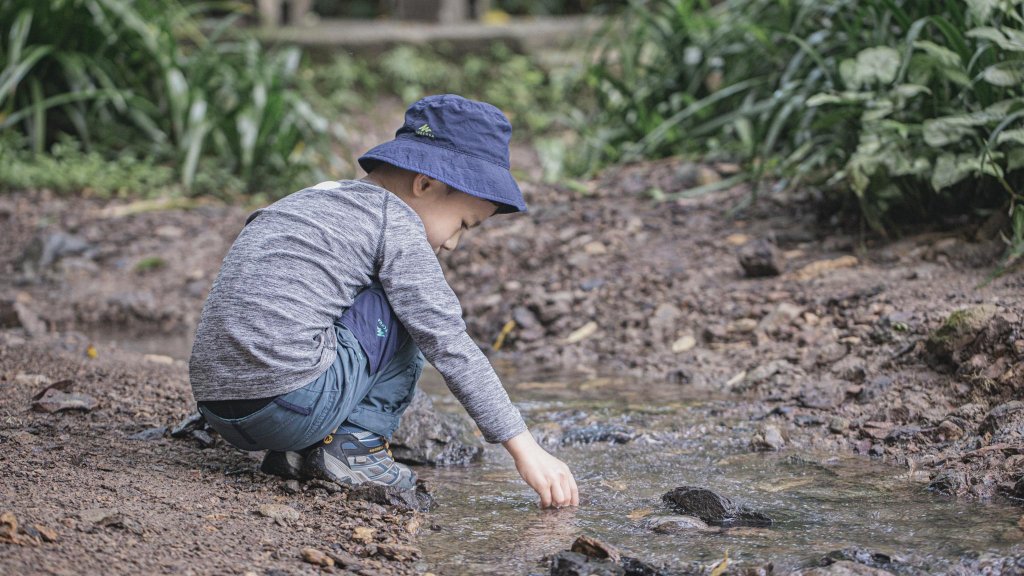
(912, 107)
(139, 78)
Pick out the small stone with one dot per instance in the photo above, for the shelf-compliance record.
(291, 487)
(280, 513)
(149, 434)
(595, 248)
(674, 524)
(582, 333)
(158, 359)
(760, 259)
(32, 379)
(203, 438)
(363, 534)
(684, 344)
(712, 508)
(575, 564)
(316, 557)
(838, 425)
(768, 438)
(193, 421)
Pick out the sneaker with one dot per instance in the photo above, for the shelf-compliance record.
(352, 458)
(283, 464)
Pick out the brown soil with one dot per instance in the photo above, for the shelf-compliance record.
(836, 348)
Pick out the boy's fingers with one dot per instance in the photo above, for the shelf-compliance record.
(545, 497)
(575, 491)
(557, 495)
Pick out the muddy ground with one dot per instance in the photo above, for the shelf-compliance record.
(839, 346)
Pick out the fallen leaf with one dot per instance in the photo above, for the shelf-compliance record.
(639, 513)
(91, 352)
(582, 333)
(736, 379)
(505, 331)
(54, 400)
(48, 534)
(815, 269)
(722, 566)
(737, 239)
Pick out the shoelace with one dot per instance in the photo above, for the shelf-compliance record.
(387, 448)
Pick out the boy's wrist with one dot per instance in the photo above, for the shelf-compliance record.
(520, 445)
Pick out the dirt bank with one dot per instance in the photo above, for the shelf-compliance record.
(838, 347)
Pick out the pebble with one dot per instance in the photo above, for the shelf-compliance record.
(838, 425)
(292, 487)
(768, 438)
(280, 513)
(314, 556)
(684, 344)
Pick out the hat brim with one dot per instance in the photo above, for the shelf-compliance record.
(465, 173)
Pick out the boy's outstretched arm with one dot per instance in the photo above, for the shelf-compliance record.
(547, 475)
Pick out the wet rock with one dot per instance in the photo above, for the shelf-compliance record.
(674, 524)
(948, 431)
(611, 433)
(428, 437)
(576, 564)
(280, 513)
(959, 330)
(58, 397)
(760, 259)
(202, 438)
(822, 394)
(594, 548)
(874, 388)
(713, 508)
(1018, 492)
(417, 499)
(951, 481)
(15, 313)
(316, 557)
(635, 567)
(1005, 423)
(149, 434)
(194, 421)
(767, 438)
(842, 568)
(291, 487)
(95, 519)
(903, 434)
(44, 251)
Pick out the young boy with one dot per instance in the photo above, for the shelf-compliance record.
(310, 341)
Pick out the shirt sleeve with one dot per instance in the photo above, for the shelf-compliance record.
(422, 299)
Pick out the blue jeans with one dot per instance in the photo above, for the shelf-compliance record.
(345, 393)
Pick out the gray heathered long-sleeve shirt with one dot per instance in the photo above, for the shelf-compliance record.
(267, 325)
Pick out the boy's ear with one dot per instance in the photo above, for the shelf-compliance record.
(423, 185)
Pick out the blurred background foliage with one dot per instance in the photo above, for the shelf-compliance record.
(902, 110)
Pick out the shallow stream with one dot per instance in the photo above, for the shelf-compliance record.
(487, 521)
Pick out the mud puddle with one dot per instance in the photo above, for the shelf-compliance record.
(487, 521)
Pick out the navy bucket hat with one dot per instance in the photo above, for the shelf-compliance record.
(461, 142)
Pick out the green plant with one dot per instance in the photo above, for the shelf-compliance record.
(140, 77)
(910, 107)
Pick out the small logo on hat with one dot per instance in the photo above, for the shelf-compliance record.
(425, 131)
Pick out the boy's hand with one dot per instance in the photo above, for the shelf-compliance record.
(547, 475)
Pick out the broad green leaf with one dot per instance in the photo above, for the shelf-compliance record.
(1015, 136)
(880, 64)
(911, 90)
(949, 171)
(1006, 38)
(941, 54)
(981, 10)
(1004, 74)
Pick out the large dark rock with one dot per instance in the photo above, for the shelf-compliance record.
(1005, 423)
(576, 564)
(713, 508)
(427, 437)
(417, 499)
